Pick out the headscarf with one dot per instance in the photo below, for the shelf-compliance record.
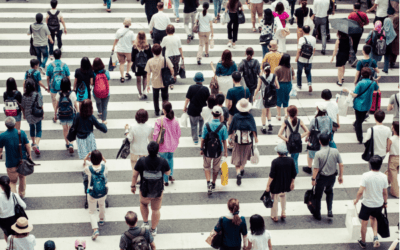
(268, 17)
(389, 30)
(378, 26)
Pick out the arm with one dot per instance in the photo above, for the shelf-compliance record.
(100, 126)
(269, 183)
(359, 194)
(180, 50)
(357, 77)
(388, 145)
(372, 9)
(149, 82)
(41, 84)
(257, 89)
(385, 197)
(255, 137)
(48, 82)
(298, 55)
(115, 43)
(306, 131)
(186, 104)
(337, 119)
(63, 23)
(335, 50)
(228, 104)
(269, 244)
(28, 150)
(213, 68)
(50, 39)
(351, 93)
(212, 29)
(134, 180)
(75, 84)
(314, 175)
(151, 25)
(277, 83)
(153, 245)
(280, 133)
(91, 83)
(341, 168)
(171, 66)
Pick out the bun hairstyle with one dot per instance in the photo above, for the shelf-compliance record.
(206, 5)
(292, 110)
(5, 184)
(233, 206)
(249, 53)
(267, 69)
(169, 113)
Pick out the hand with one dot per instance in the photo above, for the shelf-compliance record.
(295, 60)
(340, 179)
(126, 126)
(384, 206)
(52, 42)
(201, 152)
(248, 5)
(151, 32)
(256, 140)
(175, 78)
(338, 126)
(332, 60)
(355, 201)
(211, 63)
(313, 183)
(355, 83)
(65, 31)
(212, 35)
(1, 156)
(267, 190)
(182, 57)
(368, 11)
(133, 189)
(306, 139)
(333, 12)
(254, 99)
(345, 90)
(225, 154)
(148, 89)
(184, 109)
(291, 186)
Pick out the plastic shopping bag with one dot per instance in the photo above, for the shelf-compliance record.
(183, 120)
(211, 43)
(342, 103)
(224, 172)
(255, 158)
(258, 101)
(113, 61)
(350, 99)
(225, 18)
(293, 92)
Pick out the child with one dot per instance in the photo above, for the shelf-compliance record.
(220, 102)
(393, 165)
(86, 180)
(259, 238)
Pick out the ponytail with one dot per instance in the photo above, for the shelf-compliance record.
(206, 5)
(5, 184)
(204, 12)
(249, 53)
(292, 111)
(267, 69)
(169, 113)
(233, 206)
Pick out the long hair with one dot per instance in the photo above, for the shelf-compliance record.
(285, 61)
(29, 88)
(249, 53)
(98, 64)
(292, 110)
(141, 41)
(233, 206)
(267, 69)
(86, 66)
(342, 35)
(257, 225)
(5, 184)
(86, 109)
(268, 17)
(206, 5)
(65, 85)
(320, 113)
(226, 58)
(232, 4)
(169, 113)
(211, 101)
(11, 85)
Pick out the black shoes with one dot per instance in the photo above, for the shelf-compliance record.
(317, 217)
(209, 188)
(239, 179)
(269, 128)
(291, 21)
(157, 113)
(323, 52)
(330, 214)
(307, 170)
(242, 172)
(199, 62)
(264, 130)
(362, 244)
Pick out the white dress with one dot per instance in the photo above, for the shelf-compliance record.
(260, 242)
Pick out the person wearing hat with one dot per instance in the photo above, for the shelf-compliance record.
(158, 24)
(273, 57)
(235, 94)
(123, 43)
(196, 97)
(49, 245)
(242, 134)
(281, 180)
(22, 240)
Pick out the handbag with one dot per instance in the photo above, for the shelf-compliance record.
(18, 209)
(37, 110)
(166, 73)
(285, 32)
(182, 71)
(314, 138)
(215, 239)
(125, 149)
(308, 21)
(32, 49)
(225, 18)
(369, 147)
(73, 130)
(25, 166)
(196, 27)
(383, 225)
(267, 200)
(160, 137)
(214, 85)
(241, 17)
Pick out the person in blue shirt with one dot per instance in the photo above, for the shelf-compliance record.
(235, 94)
(362, 99)
(37, 77)
(9, 139)
(101, 103)
(366, 60)
(223, 136)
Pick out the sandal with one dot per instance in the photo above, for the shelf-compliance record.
(206, 55)
(122, 80)
(283, 216)
(177, 20)
(127, 75)
(275, 219)
(254, 30)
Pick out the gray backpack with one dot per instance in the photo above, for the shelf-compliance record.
(139, 242)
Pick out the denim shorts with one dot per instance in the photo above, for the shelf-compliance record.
(67, 122)
(18, 117)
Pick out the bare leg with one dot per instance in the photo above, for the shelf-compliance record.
(374, 225)
(144, 209)
(263, 116)
(18, 127)
(121, 69)
(309, 161)
(207, 174)
(155, 218)
(269, 114)
(364, 224)
(278, 111)
(139, 84)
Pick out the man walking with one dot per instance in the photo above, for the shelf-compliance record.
(151, 169)
(306, 43)
(373, 188)
(158, 24)
(362, 19)
(53, 20)
(134, 231)
(189, 15)
(256, 8)
(324, 174)
(10, 140)
(236, 94)
(321, 8)
(382, 135)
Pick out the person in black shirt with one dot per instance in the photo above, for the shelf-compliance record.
(84, 74)
(189, 14)
(12, 90)
(300, 14)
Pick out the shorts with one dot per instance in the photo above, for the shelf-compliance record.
(155, 203)
(67, 122)
(134, 159)
(256, 8)
(216, 162)
(18, 117)
(311, 154)
(366, 212)
(124, 56)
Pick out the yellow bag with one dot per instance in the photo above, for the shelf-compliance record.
(224, 173)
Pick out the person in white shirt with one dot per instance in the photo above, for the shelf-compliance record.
(55, 33)
(205, 28)
(393, 165)
(124, 40)
(381, 7)
(22, 240)
(382, 135)
(321, 8)
(259, 238)
(206, 111)
(158, 24)
(373, 188)
(332, 111)
(303, 62)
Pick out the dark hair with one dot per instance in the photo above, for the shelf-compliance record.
(285, 61)
(306, 29)
(268, 17)
(152, 148)
(396, 127)
(141, 116)
(57, 54)
(156, 49)
(206, 5)
(167, 106)
(292, 111)
(11, 85)
(53, 3)
(131, 218)
(65, 85)
(160, 5)
(39, 17)
(249, 53)
(226, 58)
(233, 206)
(375, 162)
(220, 99)
(366, 72)
(320, 113)
(170, 29)
(367, 49)
(324, 138)
(267, 71)
(379, 116)
(357, 6)
(5, 184)
(232, 4)
(236, 76)
(86, 66)
(98, 64)
(96, 157)
(257, 226)
(279, 8)
(211, 101)
(342, 35)
(34, 62)
(86, 109)
(29, 87)
(326, 94)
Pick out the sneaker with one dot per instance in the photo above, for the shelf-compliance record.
(140, 97)
(67, 146)
(62, 50)
(233, 46)
(269, 128)
(157, 113)
(209, 188)
(339, 83)
(153, 232)
(198, 62)
(238, 179)
(171, 179)
(307, 170)
(298, 87)
(86, 205)
(323, 52)
(264, 130)
(213, 185)
(309, 88)
(188, 39)
(229, 44)
(291, 21)
(101, 223)
(242, 172)
(330, 214)
(95, 234)
(71, 148)
(376, 242)
(144, 96)
(362, 244)
(196, 142)
(146, 225)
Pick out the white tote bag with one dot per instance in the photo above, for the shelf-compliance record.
(308, 21)
(255, 158)
(258, 101)
(183, 120)
(225, 83)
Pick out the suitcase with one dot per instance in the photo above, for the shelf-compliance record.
(376, 102)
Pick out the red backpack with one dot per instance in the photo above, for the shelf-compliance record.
(101, 87)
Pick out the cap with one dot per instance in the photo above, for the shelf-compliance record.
(217, 110)
(281, 148)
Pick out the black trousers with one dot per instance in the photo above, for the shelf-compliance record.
(59, 41)
(324, 184)
(156, 96)
(233, 27)
(158, 35)
(356, 40)
(360, 117)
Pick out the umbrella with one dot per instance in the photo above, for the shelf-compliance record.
(346, 26)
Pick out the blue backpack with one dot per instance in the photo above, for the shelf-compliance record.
(65, 107)
(81, 92)
(58, 75)
(98, 182)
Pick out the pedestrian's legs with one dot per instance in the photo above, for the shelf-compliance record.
(340, 73)
(206, 42)
(300, 67)
(356, 40)
(332, 143)
(51, 45)
(329, 191)
(235, 28)
(155, 218)
(38, 55)
(374, 225)
(323, 33)
(229, 26)
(164, 94)
(176, 8)
(282, 197)
(32, 132)
(14, 176)
(307, 70)
(139, 84)
(193, 19)
(265, 49)
(144, 210)
(194, 120)
(360, 116)
(201, 123)
(386, 62)
(202, 36)
(393, 170)
(186, 18)
(369, 4)
(253, 8)
(92, 202)
(104, 104)
(38, 127)
(295, 157)
(108, 4)
(364, 224)
(102, 207)
(274, 209)
(319, 190)
(169, 158)
(59, 35)
(292, 4)
(98, 104)
(156, 96)
(22, 185)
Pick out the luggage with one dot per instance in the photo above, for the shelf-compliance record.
(376, 101)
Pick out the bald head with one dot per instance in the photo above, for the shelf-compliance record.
(131, 218)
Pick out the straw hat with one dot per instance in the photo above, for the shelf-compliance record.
(22, 226)
(127, 21)
(273, 45)
(243, 105)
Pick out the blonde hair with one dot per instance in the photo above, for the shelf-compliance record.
(141, 41)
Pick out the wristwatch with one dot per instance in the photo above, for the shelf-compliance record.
(133, 186)
(312, 179)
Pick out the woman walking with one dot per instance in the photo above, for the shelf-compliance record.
(103, 76)
(259, 238)
(176, 10)
(283, 17)
(12, 99)
(205, 28)
(171, 138)
(342, 52)
(83, 80)
(268, 25)
(224, 70)
(233, 6)
(217, 10)
(108, 4)
(141, 49)
(390, 39)
(378, 31)
(395, 43)
(22, 240)
(285, 74)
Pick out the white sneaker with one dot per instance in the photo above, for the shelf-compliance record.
(146, 225)
(229, 45)
(62, 49)
(376, 242)
(233, 46)
(153, 232)
(140, 96)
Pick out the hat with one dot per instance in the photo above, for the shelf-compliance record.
(281, 148)
(321, 106)
(217, 110)
(198, 77)
(49, 245)
(243, 105)
(127, 21)
(22, 226)
(273, 45)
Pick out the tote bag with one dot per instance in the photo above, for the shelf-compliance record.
(308, 21)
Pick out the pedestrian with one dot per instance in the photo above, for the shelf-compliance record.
(153, 69)
(49, 245)
(12, 99)
(381, 8)
(300, 14)
(282, 32)
(362, 100)
(381, 133)
(372, 39)
(281, 180)
(29, 98)
(250, 68)
(242, 133)
(123, 43)
(321, 8)
(362, 19)
(304, 43)
(173, 49)
(394, 105)
(141, 53)
(53, 20)
(56, 71)
(293, 121)
(158, 24)
(233, 226)
(205, 29)
(22, 240)
(66, 108)
(256, 7)
(150, 8)
(7, 204)
(373, 189)
(189, 15)
(273, 57)
(35, 75)
(259, 238)
(280, 12)
(206, 112)
(233, 7)
(342, 52)
(10, 140)
(84, 122)
(224, 70)
(390, 39)
(175, 9)
(367, 62)
(332, 111)
(225, 110)
(393, 164)
(217, 10)
(41, 36)
(134, 231)
(83, 80)
(284, 2)
(269, 24)
(285, 74)
(395, 44)
(108, 4)
(235, 94)
(324, 124)
(151, 170)
(196, 97)
(266, 78)
(101, 88)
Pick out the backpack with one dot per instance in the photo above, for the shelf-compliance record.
(368, 64)
(58, 75)
(141, 59)
(306, 50)
(98, 183)
(53, 23)
(244, 137)
(212, 143)
(379, 44)
(139, 242)
(81, 92)
(101, 86)
(31, 76)
(65, 107)
(249, 75)
(37, 109)
(294, 145)
(11, 105)
(270, 96)
(152, 182)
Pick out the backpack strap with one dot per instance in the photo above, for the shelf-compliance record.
(103, 168)
(208, 128)
(91, 169)
(130, 236)
(219, 127)
(288, 125)
(297, 127)
(142, 231)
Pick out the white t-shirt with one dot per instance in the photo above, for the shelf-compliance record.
(394, 148)
(204, 22)
(206, 114)
(332, 110)
(321, 8)
(172, 44)
(381, 10)
(260, 242)
(374, 183)
(125, 42)
(312, 41)
(138, 136)
(59, 17)
(381, 134)
(72, 97)
(26, 243)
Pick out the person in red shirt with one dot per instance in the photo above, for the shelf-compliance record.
(362, 19)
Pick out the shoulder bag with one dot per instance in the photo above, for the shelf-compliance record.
(361, 18)
(369, 147)
(314, 138)
(166, 73)
(215, 239)
(196, 27)
(37, 110)
(266, 39)
(214, 85)
(383, 225)
(73, 130)
(182, 71)
(161, 133)
(25, 166)
(32, 49)
(18, 209)
(241, 17)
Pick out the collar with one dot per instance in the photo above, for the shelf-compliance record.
(160, 11)
(327, 146)
(215, 120)
(57, 60)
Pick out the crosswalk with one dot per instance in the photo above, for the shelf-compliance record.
(55, 196)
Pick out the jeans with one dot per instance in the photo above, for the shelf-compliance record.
(360, 117)
(217, 7)
(332, 143)
(108, 2)
(189, 17)
(169, 156)
(320, 24)
(42, 51)
(324, 184)
(176, 7)
(307, 69)
(59, 41)
(36, 129)
(265, 49)
(233, 27)
(194, 120)
(101, 104)
(158, 35)
(156, 96)
(295, 157)
(292, 4)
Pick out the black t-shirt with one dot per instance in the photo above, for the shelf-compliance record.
(189, 6)
(85, 77)
(300, 16)
(198, 95)
(282, 171)
(18, 97)
(151, 163)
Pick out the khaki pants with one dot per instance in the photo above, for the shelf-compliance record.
(204, 41)
(300, 33)
(276, 198)
(14, 176)
(256, 8)
(134, 159)
(393, 170)
(92, 202)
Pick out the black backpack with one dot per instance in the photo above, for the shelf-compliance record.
(294, 145)
(250, 76)
(31, 76)
(314, 138)
(53, 23)
(141, 59)
(212, 143)
(270, 96)
(378, 45)
(139, 242)
(152, 182)
(367, 64)
(306, 50)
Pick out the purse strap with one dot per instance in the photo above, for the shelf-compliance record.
(323, 166)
